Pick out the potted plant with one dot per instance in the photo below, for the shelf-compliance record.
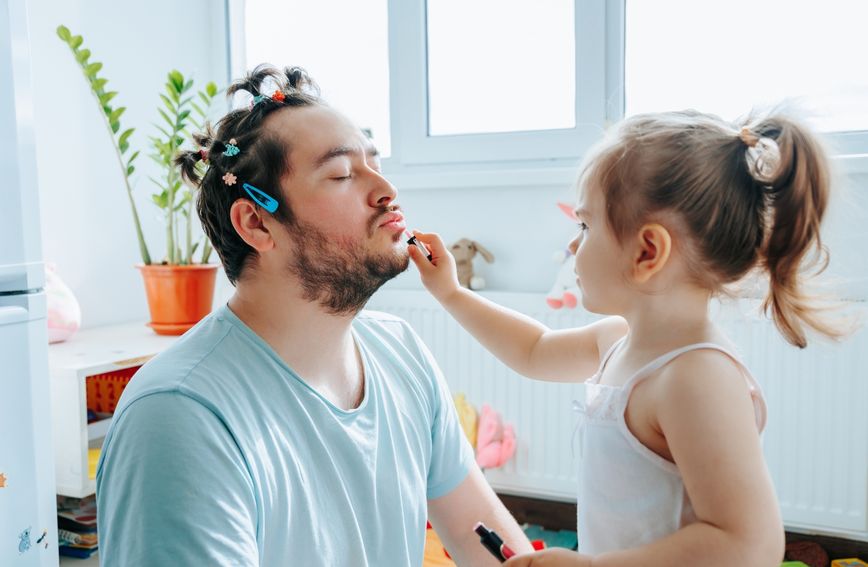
(180, 290)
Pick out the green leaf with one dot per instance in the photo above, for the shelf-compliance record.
(123, 146)
(132, 157)
(169, 104)
(92, 69)
(98, 84)
(75, 41)
(166, 118)
(177, 80)
(116, 114)
(187, 85)
(160, 128)
(105, 98)
(183, 115)
(130, 170)
(115, 126)
(204, 98)
(211, 89)
(198, 109)
(127, 133)
(63, 33)
(82, 56)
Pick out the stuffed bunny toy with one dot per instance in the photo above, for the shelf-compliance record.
(464, 250)
(495, 443)
(565, 291)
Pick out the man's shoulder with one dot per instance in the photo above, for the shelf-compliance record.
(202, 352)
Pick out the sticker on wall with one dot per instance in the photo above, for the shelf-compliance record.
(24, 544)
(2, 480)
(42, 538)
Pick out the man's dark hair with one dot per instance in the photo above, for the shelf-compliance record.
(261, 161)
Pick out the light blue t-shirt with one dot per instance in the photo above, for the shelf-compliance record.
(219, 454)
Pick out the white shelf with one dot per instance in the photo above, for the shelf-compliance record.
(89, 352)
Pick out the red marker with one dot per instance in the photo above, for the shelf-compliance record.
(493, 543)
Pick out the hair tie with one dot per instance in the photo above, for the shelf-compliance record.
(749, 138)
(203, 154)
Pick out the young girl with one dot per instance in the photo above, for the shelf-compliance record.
(672, 207)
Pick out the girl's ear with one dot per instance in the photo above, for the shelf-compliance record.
(247, 220)
(654, 248)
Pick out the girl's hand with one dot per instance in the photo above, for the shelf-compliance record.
(552, 557)
(439, 275)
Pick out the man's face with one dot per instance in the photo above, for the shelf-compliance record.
(346, 240)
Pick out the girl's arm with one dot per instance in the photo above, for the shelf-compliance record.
(705, 413)
(525, 345)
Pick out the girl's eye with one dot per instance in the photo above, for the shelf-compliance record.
(582, 227)
(342, 178)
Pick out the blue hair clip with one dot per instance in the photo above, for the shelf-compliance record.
(264, 200)
(231, 149)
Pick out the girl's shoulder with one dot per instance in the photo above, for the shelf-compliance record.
(608, 332)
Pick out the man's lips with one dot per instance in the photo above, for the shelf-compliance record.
(392, 220)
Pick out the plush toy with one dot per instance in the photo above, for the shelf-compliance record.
(565, 291)
(64, 313)
(495, 443)
(467, 416)
(464, 250)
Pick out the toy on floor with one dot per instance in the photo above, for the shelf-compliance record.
(495, 442)
(565, 291)
(464, 251)
(853, 562)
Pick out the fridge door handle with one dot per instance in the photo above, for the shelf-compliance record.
(13, 314)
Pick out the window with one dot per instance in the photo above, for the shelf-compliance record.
(343, 44)
(728, 56)
(497, 81)
(513, 73)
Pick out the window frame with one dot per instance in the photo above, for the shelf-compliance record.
(508, 159)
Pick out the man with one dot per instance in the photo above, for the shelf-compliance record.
(288, 428)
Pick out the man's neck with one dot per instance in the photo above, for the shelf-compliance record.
(317, 345)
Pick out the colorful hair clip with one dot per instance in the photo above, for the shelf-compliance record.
(257, 99)
(278, 96)
(229, 178)
(203, 154)
(231, 149)
(264, 200)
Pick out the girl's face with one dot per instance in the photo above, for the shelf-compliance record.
(601, 261)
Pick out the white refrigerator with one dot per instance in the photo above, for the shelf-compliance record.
(28, 516)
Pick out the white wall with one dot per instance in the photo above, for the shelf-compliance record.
(87, 228)
(86, 221)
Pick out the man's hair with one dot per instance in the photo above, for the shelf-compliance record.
(262, 159)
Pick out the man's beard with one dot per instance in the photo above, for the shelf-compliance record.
(341, 278)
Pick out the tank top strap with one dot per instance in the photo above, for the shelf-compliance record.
(605, 360)
(662, 360)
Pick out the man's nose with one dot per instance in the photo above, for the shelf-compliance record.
(382, 192)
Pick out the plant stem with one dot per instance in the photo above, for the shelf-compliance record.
(143, 247)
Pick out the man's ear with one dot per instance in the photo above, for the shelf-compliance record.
(655, 246)
(248, 223)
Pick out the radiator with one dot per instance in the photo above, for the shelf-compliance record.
(816, 440)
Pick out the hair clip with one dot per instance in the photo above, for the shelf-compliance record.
(203, 154)
(278, 96)
(264, 200)
(231, 149)
(229, 178)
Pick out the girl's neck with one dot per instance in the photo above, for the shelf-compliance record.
(662, 322)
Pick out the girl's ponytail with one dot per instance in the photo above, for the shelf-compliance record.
(797, 181)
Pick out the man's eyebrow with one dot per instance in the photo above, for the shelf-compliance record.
(343, 151)
(333, 153)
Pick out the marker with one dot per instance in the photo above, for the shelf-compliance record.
(415, 242)
(493, 543)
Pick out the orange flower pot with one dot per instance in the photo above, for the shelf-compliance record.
(178, 296)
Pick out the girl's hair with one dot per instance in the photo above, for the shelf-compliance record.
(748, 196)
(261, 159)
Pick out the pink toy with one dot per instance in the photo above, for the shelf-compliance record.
(64, 314)
(495, 443)
(565, 292)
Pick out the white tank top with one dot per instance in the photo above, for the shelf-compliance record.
(628, 495)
